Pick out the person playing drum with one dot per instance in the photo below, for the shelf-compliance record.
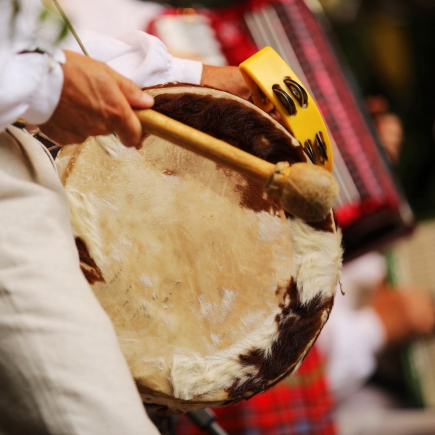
(61, 369)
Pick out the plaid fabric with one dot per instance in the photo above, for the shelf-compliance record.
(300, 405)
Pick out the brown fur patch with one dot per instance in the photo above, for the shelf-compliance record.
(233, 122)
(244, 128)
(92, 272)
(253, 196)
(298, 325)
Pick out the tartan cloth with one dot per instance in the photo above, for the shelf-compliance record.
(300, 405)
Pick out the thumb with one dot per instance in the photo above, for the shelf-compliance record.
(134, 95)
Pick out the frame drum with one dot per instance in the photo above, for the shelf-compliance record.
(215, 292)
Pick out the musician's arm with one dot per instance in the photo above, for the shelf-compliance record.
(41, 90)
(96, 100)
(226, 78)
(42, 85)
(406, 312)
(352, 336)
(144, 59)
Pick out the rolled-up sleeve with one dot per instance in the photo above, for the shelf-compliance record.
(350, 341)
(31, 76)
(353, 336)
(141, 57)
(30, 88)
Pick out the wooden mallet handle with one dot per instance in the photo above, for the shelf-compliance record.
(306, 191)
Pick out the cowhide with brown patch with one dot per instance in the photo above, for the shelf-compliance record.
(272, 338)
(300, 320)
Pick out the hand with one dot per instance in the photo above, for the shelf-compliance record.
(405, 313)
(390, 131)
(388, 126)
(226, 78)
(95, 100)
(230, 79)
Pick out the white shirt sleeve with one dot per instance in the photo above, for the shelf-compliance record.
(350, 341)
(128, 50)
(353, 336)
(139, 56)
(31, 77)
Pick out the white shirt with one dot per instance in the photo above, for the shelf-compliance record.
(353, 334)
(31, 81)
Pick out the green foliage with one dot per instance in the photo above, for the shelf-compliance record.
(16, 8)
(46, 15)
(63, 32)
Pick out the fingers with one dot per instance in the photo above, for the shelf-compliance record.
(397, 313)
(420, 312)
(134, 95)
(95, 100)
(127, 125)
(405, 313)
(390, 131)
(277, 116)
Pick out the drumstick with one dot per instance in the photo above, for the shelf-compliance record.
(306, 191)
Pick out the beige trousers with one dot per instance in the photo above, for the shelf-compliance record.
(61, 368)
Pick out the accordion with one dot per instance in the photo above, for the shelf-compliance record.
(371, 209)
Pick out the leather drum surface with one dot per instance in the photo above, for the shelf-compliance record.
(215, 293)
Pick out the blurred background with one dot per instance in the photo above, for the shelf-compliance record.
(370, 64)
(390, 47)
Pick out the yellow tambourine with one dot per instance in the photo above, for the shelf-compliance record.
(274, 84)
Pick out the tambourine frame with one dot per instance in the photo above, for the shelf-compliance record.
(273, 84)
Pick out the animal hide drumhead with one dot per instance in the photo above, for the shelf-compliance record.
(215, 292)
